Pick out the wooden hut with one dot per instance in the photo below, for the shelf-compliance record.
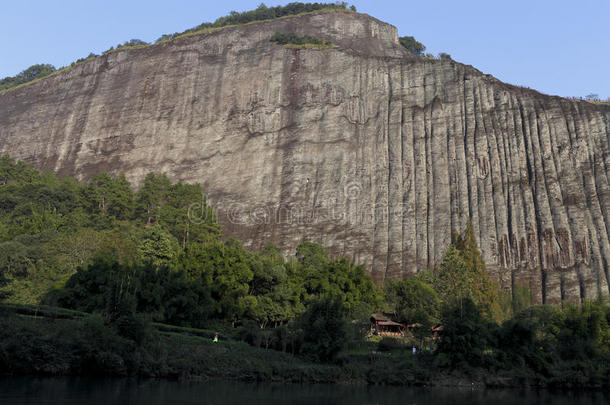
(382, 325)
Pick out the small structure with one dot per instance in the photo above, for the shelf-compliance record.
(435, 332)
(382, 325)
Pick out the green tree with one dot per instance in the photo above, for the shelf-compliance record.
(324, 329)
(415, 47)
(187, 214)
(31, 73)
(108, 196)
(454, 280)
(467, 337)
(157, 246)
(151, 197)
(414, 302)
(480, 287)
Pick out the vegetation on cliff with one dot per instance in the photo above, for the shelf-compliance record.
(298, 40)
(126, 260)
(261, 13)
(32, 73)
(414, 46)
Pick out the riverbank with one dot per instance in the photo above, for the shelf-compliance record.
(84, 346)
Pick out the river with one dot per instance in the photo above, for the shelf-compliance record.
(150, 392)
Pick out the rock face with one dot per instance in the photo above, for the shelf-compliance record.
(371, 152)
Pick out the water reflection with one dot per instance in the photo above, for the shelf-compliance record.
(150, 392)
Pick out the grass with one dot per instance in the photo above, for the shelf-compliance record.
(78, 344)
(46, 311)
(43, 311)
(127, 47)
(598, 102)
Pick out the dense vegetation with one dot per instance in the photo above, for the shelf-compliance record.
(414, 46)
(136, 258)
(294, 39)
(32, 73)
(261, 13)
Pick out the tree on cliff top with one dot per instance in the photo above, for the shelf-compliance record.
(31, 73)
(414, 46)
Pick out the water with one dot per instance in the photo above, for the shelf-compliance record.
(150, 392)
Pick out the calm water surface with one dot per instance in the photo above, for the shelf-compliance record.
(150, 392)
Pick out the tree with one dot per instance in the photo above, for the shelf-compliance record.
(454, 280)
(480, 288)
(108, 196)
(444, 56)
(187, 215)
(31, 73)
(157, 246)
(324, 329)
(413, 46)
(467, 338)
(414, 302)
(592, 97)
(150, 197)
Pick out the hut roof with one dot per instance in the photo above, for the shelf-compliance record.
(390, 323)
(378, 316)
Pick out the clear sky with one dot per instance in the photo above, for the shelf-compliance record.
(555, 46)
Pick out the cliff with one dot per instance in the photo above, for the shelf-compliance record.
(372, 152)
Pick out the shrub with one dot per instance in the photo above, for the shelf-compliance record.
(294, 39)
(414, 46)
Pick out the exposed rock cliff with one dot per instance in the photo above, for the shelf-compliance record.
(373, 153)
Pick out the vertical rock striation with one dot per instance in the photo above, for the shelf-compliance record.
(376, 154)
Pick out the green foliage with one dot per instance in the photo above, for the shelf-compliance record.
(157, 246)
(388, 344)
(261, 13)
(181, 208)
(108, 197)
(462, 274)
(454, 279)
(336, 277)
(324, 329)
(49, 226)
(31, 73)
(413, 46)
(294, 39)
(414, 302)
(444, 56)
(467, 337)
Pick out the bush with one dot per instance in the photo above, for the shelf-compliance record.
(387, 344)
(294, 39)
(324, 329)
(415, 47)
(31, 73)
(444, 56)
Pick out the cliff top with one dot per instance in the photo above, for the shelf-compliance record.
(345, 29)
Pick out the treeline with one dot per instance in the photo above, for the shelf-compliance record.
(294, 39)
(32, 73)
(157, 254)
(262, 12)
(50, 226)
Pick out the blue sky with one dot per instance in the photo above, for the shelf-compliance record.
(557, 47)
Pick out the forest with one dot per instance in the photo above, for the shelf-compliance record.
(140, 268)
